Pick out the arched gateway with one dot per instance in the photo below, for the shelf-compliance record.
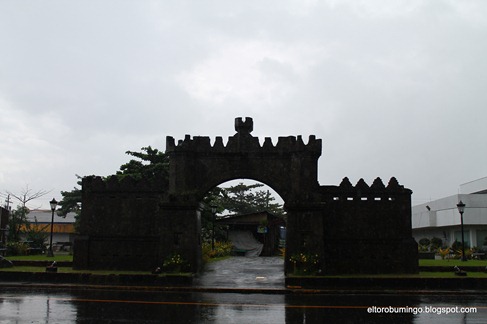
(353, 229)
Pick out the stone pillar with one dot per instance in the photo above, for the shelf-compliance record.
(181, 233)
(81, 252)
(304, 234)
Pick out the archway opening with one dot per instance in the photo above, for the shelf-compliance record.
(243, 232)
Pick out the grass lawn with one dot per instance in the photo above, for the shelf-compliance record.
(470, 274)
(94, 272)
(69, 258)
(41, 257)
(425, 274)
(422, 262)
(115, 272)
(429, 263)
(70, 270)
(452, 263)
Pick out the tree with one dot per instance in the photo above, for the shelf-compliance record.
(71, 202)
(239, 199)
(26, 195)
(18, 217)
(212, 199)
(17, 221)
(152, 163)
(36, 234)
(245, 199)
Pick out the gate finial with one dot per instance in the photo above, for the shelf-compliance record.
(244, 127)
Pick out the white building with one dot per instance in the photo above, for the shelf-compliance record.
(63, 227)
(440, 218)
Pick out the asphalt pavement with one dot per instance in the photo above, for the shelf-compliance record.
(241, 272)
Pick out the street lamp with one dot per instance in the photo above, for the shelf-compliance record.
(461, 210)
(53, 204)
(213, 214)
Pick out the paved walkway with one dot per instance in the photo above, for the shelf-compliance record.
(243, 272)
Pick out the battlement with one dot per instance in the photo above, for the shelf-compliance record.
(362, 191)
(126, 185)
(242, 141)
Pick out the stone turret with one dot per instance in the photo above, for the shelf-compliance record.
(244, 127)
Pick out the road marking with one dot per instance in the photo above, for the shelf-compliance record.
(207, 304)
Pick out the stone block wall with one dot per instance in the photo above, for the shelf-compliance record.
(368, 229)
(120, 224)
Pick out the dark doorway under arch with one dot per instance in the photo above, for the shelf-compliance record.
(245, 214)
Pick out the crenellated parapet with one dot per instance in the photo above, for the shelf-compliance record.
(126, 184)
(362, 191)
(243, 141)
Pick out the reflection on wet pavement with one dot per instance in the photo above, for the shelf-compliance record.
(243, 272)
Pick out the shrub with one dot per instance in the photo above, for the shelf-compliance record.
(174, 263)
(221, 249)
(17, 248)
(424, 241)
(206, 252)
(423, 244)
(457, 248)
(305, 263)
(436, 243)
(444, 252)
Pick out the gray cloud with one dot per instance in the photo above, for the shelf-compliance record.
(394, 88)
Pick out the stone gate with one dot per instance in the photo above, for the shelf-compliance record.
(353, 229)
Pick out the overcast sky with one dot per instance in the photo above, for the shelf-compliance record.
(393, 88)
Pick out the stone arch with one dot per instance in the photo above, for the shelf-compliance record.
(289, 167)
(136, 224)
(196, 166)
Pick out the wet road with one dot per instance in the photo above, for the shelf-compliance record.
(30, 305)
(243, 272)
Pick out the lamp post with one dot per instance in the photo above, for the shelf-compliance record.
(213, 214)
(461, 210)
(53, 204)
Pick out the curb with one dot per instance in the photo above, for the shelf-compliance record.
(293, 285)
(396, 284)
(56, 278)
(266, 291)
